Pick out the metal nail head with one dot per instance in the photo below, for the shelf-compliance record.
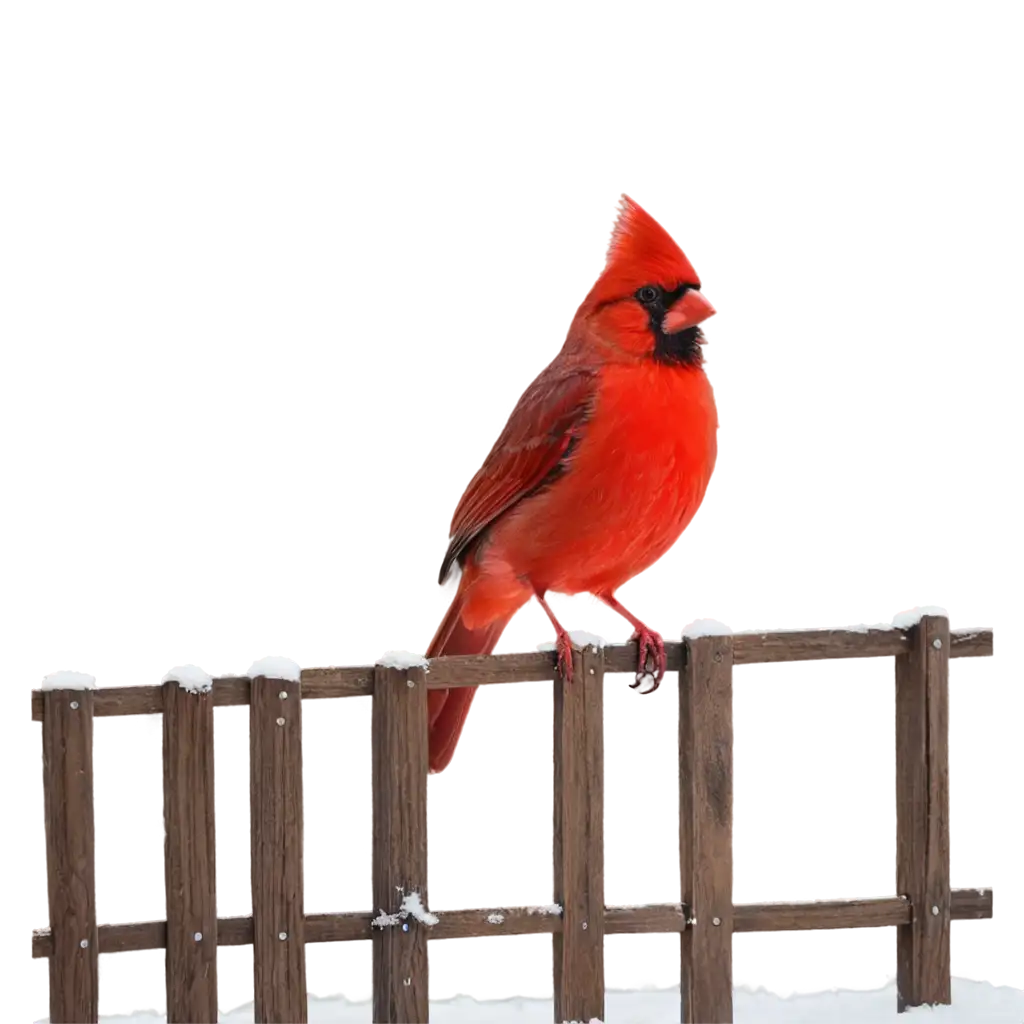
(280, 721)
(716, 921)
(935, 911)
(84, 943)
(74, 705)
(584, 925)
(198, 936)
(283, 695)
(410, 683)
(937, 643)
(282, 936)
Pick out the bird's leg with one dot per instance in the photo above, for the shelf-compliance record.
(652, 660)
(563, 644)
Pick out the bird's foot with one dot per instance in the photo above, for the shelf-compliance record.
(563, 642)
(651, 660)
(563, 646)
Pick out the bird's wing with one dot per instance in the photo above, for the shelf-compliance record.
(546, 421)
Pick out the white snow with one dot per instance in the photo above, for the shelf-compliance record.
(554, 909)
(412, 906)
(579, 637)
(903, 619)
(403, 659)
(275, 668)
(191, 678)
(708, 626)
(69, 681)
(974, 1002)
(897, 619)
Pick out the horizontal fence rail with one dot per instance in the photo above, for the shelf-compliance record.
(652, 919)
(480, 670)
(401, 924)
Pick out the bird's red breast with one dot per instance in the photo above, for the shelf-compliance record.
(627, 484)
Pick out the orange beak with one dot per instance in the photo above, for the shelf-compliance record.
(687, 311)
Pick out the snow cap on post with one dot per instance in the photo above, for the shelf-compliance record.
(69, 681)
(911, 617)
(275, 668)
(402, 660)
(191, 678)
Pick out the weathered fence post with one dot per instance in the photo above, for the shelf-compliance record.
(189, 856)
(400, 766)
(705, 828)
(922, 814)
(579, 839)
(70, 852)
(279, 954)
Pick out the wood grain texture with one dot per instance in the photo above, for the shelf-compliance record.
(70, 853)
(750, 915)
(705, 824)
(189, 856)
(819, 915)
(579, 838)
(400, 766)
(279, 956)
(480, 670)
(922, 814)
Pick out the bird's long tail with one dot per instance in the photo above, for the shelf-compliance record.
(447, 709)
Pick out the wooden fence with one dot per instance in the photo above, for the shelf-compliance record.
(704, 915)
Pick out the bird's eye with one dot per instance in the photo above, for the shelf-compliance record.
(647, 294)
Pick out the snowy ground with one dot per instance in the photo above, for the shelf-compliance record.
(974, 1002)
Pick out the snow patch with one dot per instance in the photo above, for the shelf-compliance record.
(904, 619)
(411, 906)
(579, 637)
(973, 1002)
(897, 619)
(552, 909)
(708, 626)
(495, 918)
(275, 668)
(69, 681)
(191, 678)
(403, 659)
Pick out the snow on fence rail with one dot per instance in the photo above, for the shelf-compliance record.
(400, 924)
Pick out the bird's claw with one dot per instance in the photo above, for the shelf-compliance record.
(563, 645)
(651, 660)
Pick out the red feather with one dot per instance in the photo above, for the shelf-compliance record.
(548, 417)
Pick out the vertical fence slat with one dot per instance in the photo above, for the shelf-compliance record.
(579, 839)
(400, 766)
(922, 814)
(705, 828)
(279, 956)
(70, 852)
(189, 856)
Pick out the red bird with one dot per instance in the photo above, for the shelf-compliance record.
(601, 466)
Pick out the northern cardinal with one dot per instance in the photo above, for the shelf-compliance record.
(601, 466)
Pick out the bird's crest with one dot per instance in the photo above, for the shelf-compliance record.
(642, 248)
